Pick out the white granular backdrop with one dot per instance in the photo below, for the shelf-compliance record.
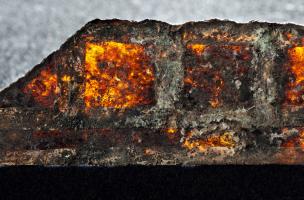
(32, 29)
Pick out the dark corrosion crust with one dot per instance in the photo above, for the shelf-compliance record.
(121, 92)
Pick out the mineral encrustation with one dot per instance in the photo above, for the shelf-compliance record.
(149, 93)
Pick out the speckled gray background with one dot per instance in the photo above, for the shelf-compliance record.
(32, 29)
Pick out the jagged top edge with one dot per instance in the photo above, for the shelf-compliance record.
(214, 20)
(174, 27)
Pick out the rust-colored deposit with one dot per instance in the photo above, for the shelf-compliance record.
(117, 75)
(295, 142)
(295, 88)
(43, 88)
(292, 149)
(224, 140)
(198, 49)
(209, 78)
